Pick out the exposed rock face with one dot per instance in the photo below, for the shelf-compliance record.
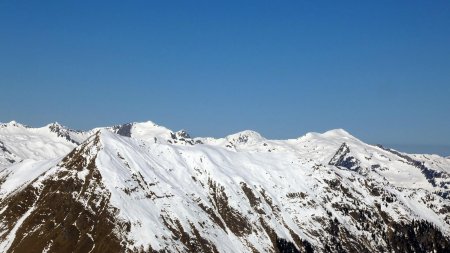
(343, 158)
(65, 212)
(124, 130)
(6, 156)
(321, 193)
(62, 132)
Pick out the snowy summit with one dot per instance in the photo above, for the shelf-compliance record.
(140, 187)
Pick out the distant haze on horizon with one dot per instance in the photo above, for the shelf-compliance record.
(378, 69)
(442, 150)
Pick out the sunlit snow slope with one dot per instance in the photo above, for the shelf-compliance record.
(140, 187)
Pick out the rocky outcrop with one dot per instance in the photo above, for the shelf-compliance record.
(115, 193)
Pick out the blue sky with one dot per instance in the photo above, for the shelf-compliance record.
(379, 69)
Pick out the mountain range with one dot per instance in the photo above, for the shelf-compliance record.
(140, 187)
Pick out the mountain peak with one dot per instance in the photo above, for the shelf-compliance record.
(56, 124)
(138, 127)
(151, 132)
(246, 136)
(56, 127)
(146, 123)
(339, 132)
(131, 195)
(13, 123)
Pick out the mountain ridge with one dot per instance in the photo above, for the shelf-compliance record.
(120, 129)
(326, 192)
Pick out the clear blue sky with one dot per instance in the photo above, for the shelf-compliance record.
(379, 69)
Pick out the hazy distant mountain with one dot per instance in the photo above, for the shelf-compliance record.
(443, 150)
(140, 187)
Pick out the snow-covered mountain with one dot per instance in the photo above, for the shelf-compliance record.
(19, 142)
(140, 187)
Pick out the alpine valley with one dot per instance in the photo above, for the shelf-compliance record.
(140, 187)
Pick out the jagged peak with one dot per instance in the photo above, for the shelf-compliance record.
(13, 123)
(56, 127)
(55, 124)
(151, 132)
(151, 128)
(246, 136)
(211, 195)
(183, 134)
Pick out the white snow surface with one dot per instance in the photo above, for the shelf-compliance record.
(152, 175)
(21, 142)
(275, 166)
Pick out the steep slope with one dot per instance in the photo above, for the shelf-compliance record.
(19, 142)
(132, 188)
(65, 209)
